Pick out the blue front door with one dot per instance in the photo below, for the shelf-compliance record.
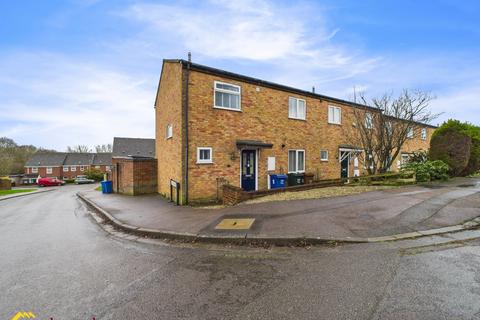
(248, 170)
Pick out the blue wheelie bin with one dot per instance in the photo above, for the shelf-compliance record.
(107, 186)
(278, 181)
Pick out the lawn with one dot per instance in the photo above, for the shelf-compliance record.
(13, 191)
(318, 193)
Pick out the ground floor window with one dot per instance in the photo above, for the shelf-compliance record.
(324, 155)
(296, 161)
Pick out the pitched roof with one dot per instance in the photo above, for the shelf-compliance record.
(82, 159)
(46, 159)
(268, 84)
(124, 147)
(102, 159)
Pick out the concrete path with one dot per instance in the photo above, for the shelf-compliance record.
(374, 216)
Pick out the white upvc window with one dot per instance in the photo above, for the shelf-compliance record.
(82, 168)
(323, 155)
(73, 168)
(369, 120)
(424, 134)
(296, 161)
(297, 108)
(410, 133)
(65, 168)
(227, 96)
(169, 131)
(97, 167)
(405, 159)
(108, 168)
(49, 170)
(204, 155)
(334, 115)
(34, 169)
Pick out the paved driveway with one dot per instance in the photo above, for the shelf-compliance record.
(366, 215)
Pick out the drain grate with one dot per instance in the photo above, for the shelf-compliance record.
(235, 224)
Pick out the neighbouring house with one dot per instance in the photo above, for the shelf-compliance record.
(215, 127)
(134, 166)
(65, 165)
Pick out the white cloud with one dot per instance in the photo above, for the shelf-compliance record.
(53, 101)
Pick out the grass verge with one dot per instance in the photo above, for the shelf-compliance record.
(13, 191)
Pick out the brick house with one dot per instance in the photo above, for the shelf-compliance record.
(215, 127)
(65, 165)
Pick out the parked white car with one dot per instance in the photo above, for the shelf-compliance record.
(83, 180)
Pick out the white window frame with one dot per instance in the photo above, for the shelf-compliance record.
(369, 120)
(297, 108)
(73, 168)
(297, 151)
(34, 169)
(82, 168)
(424, 134)
(49, 170)
(204, 161)
(169, 131)
(410, 133)
(323, 159)
(65, 168)
(331, 115)
(239, 93)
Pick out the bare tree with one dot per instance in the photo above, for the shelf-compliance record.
(79, 149)
(103, 148)
(386, 122)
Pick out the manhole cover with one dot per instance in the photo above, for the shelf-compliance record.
(235, 224)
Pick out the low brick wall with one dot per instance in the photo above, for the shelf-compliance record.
(134, 176)
(5, 184)
(233, 195)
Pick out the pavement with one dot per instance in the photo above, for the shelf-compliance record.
(58, 263)
(386, 215)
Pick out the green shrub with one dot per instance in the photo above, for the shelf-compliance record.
(458, 145)
(429, 170)
(69, 180)
(94, 174)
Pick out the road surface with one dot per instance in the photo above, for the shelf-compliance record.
(57, 262)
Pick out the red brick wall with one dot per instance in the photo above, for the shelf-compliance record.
(134, 176)
(42, 172)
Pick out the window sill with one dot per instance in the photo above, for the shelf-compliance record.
(324, 160)
(336, 124)
(168, 138)
(229, 109)
(297, 119)
(209, 162)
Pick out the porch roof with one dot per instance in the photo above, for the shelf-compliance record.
(253, 144)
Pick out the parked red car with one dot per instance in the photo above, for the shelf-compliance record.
(48, 182)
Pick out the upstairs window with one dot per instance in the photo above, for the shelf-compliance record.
(49, 170)
(296, 161)
(410, 133)
(297, 108)
(169, 131)
(424, 134)
(334, 115)
(65, 168)
(34, 170)
(204, 155)
(369, 120)
(227, 96)
(73, 168)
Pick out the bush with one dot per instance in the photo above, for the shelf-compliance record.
(69, 181)
(458, 145)
(94, 174)
(429, 170)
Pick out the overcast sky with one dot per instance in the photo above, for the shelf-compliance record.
(83, 71)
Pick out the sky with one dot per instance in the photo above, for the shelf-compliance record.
(82, 71)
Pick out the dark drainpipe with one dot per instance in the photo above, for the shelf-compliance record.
(186, 127)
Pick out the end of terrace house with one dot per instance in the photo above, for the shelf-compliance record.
(215, 127)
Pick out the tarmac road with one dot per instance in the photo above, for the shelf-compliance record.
(56, 262)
